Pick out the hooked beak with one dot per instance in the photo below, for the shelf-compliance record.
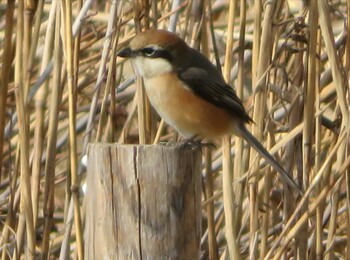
(125, 53)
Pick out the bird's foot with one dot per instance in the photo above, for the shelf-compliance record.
(166, 143)
(192, 142)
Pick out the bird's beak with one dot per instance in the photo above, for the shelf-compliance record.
(125, 53)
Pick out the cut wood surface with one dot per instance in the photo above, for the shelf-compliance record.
(143, 202)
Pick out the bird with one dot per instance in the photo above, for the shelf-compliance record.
(190, 93)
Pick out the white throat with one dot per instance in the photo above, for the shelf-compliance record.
(149, 68)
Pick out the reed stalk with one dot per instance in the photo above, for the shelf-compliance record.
(228, 193)
(56, 96)
(62, 86)
(73, 161)
(26, 207)
(5, 73)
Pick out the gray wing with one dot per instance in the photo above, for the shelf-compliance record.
(209, 85)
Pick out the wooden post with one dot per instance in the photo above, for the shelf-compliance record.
(143, 202)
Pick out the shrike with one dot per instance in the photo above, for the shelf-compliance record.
(189, 92)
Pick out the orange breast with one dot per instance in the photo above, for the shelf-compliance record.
(186, 112)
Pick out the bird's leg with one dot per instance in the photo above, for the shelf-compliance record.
(193, 141)
(196, 141)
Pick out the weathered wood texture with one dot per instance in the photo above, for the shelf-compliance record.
(143, 202)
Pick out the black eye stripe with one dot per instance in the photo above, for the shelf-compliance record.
(150, 52)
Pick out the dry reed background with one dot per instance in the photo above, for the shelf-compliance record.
(62, 87)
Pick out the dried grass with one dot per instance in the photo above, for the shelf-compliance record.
(62, 86)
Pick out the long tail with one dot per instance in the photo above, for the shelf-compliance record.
(252, 141)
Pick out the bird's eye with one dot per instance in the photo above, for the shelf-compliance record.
(148, 51)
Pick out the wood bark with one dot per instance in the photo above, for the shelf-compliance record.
(143, 202)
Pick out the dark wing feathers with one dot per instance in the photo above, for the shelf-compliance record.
(213, 89)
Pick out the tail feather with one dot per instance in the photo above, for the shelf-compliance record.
(252, 141)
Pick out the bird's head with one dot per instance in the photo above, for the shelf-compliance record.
(155, 52)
